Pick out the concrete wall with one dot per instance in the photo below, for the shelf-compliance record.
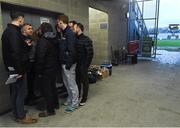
(98, 35)
(118, 23)
(75, 9)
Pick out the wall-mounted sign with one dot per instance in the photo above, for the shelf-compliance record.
(103, 26)
(44, 19)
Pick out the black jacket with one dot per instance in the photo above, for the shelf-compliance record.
(14, 50)
(67, 48)
(46, 54)
(32, 48)
(85, 50)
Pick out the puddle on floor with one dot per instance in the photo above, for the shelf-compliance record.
(168, 57)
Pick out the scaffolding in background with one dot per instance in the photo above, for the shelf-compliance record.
(144, 16)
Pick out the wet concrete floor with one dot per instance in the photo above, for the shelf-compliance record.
(145, 94)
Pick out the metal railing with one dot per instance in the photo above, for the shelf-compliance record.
(137, 22)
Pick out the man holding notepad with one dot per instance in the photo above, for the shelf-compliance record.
(15, 57)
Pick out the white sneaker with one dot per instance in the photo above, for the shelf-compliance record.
(66, 103)
(82, 104)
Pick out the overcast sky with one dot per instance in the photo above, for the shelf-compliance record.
(169, 12)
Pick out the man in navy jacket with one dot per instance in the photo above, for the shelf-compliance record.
(68, 60)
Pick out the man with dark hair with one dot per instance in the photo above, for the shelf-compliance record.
(63, 18)
(17, 15)
(68, 60)
(80, 28)
(46, 68)
(72, 22)
(84, 58)
(15, 56)
(73, 25)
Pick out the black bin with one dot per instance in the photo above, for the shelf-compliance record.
(131, 58)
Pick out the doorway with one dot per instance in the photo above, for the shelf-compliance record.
(169, 26)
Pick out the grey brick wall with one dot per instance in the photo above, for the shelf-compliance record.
(118, 23)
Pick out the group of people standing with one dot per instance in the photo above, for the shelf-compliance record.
(39, 55)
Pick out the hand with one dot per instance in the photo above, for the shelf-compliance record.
(19, 76)
(29, 42)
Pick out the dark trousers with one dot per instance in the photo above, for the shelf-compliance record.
(82, 81)
(17, 90)
(30, 83)
(49, 92)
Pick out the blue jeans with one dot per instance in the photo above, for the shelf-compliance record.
(69, 79)
(17, 95)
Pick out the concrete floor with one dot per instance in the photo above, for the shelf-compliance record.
(145, 94)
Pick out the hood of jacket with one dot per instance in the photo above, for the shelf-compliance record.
(49, 35)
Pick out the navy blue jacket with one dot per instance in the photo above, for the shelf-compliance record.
(67, 48)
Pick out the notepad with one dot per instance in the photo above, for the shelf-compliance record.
(11, 79)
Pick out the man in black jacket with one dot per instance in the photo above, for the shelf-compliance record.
(68, 60)
(27, 32)
(46, 68)
(84, 58)
(15, 56)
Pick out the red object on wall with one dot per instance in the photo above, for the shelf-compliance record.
(133, 47)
